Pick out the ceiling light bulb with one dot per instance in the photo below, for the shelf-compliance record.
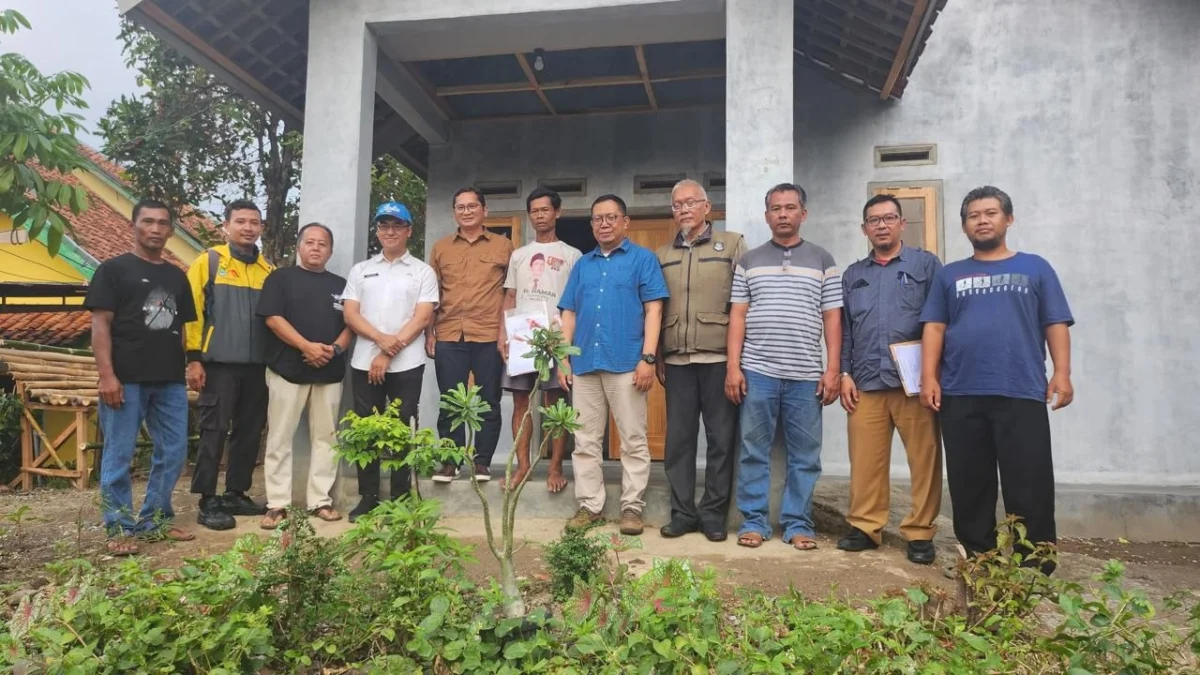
(539, 64)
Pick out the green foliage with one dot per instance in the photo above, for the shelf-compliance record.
(10, 436)
(575, 557)
(391, 181)
(382, 436)
(35, 132)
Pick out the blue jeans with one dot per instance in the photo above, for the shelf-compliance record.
(164, 407)
(769, 400)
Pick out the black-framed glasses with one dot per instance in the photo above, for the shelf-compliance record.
(887, 219)
(609, 218)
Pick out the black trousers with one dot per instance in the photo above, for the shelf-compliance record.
(981, 434)
(405, 386)
(236, 394)
(694, 391)
(453, 363)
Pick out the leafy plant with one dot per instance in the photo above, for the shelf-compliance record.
(576, 557)
(10, 436)
(36, 136)
(466, 409)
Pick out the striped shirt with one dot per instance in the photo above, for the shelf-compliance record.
(787, 289)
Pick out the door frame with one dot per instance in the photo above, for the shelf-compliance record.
(928, 190)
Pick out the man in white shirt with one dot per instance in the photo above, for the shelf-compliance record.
(537, 274)
(389, 301)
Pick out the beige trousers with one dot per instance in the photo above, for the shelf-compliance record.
(877, 417)
(287, 402)
(593, 395)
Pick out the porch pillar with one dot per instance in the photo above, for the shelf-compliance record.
(338, 123)
(335, 188)
(758, 110)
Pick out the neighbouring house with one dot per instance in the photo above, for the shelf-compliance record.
(101, 232)
(1083, 111)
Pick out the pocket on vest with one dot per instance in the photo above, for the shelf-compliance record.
(711, 331)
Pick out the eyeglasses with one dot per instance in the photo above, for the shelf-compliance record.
(383, 227)
(609, 218)
(467, 208)
(887, 219)
(689, 204)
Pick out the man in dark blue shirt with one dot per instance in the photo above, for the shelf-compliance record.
(612, 310)
(988, 321)
(884, 293)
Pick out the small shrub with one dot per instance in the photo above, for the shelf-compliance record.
(10, 436)
(576, 556)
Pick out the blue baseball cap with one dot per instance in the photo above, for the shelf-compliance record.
(393, 210)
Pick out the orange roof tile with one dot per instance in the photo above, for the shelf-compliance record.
(46, 328)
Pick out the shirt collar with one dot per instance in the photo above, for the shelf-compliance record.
(623, 246)
(406, 258)
(902, 256)
(485, 234)
(781, 247)
(704, 236)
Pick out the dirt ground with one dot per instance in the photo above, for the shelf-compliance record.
(63, 524)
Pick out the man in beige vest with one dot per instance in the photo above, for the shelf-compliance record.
(698, 268)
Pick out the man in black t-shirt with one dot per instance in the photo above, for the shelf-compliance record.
(139, 304)
(302, 306)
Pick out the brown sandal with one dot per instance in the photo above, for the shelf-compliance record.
(121, 547)
(273, 518)
(750, 540)
(326, 513)
(803, 543)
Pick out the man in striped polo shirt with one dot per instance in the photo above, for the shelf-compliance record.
(786, 293)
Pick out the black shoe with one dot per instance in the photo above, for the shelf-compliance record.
(213, 516)
(677, 528)
(716, 534)
(921, 552)
(365, 506)
(856, 541)
(238, 504)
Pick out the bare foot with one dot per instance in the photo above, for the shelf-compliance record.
(556, 482)
(518, 476)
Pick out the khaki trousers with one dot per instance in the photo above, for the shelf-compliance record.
(593, 395)
(287, 402)
(870, 428)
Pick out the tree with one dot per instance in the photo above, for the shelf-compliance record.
(189, 140)
(391, 181)
(31, 137)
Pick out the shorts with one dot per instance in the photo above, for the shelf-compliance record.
(526, 381)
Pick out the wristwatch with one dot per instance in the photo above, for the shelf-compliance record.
(337, 350)
(845, 374)
(649, 358)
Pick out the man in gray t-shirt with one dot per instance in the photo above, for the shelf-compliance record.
(786, 294)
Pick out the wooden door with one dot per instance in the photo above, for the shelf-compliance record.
(920, 207)
(650, 233)
(509, 226)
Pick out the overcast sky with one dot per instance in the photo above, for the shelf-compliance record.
(79, 35)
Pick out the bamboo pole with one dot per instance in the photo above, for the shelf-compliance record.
(63, 358)
(25, 370)
(39, 361)
(65, 383)
(32, 347)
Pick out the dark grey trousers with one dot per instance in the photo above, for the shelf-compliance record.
(694, 391)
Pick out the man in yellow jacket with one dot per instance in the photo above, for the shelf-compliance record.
(226, 353)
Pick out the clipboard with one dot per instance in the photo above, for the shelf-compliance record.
(907, 357)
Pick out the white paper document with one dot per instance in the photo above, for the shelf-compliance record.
(519, 327)
(907, 356)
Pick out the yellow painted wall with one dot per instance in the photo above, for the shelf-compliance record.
(31, 262)
(123, 205)
(53, 423)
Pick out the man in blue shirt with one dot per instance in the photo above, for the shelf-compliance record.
(988, 321)
(612, 310)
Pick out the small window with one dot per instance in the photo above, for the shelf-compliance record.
(507, 188)
(657, 183)
(565, 187)
(714, 181)
(905, 155)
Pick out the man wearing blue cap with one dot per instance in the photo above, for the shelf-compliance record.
(389, 301)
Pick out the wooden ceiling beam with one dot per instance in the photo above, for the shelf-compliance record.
(640, 52)
(533, 81)
(902, 52)
(607, 81)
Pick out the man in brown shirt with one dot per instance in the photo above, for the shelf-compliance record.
(470, 265)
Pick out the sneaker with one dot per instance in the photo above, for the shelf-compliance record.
(482, 473)
(856, 541)
(238, 504)
(213, 516)
(583, 519)
(447, 474)
(365, 506)
(631, 522)
(921, 552)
